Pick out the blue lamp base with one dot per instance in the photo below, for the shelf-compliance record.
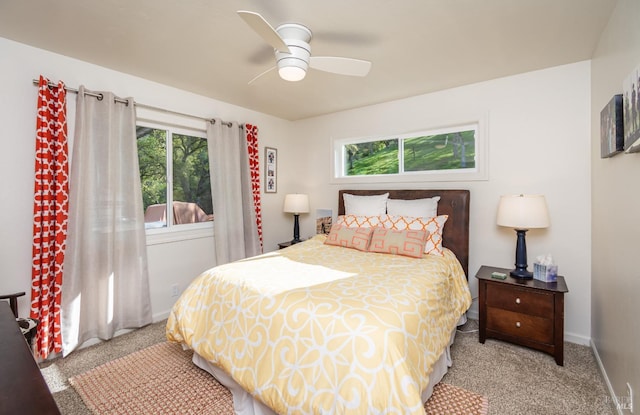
(521, 271)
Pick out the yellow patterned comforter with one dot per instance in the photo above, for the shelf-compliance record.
(318, 329)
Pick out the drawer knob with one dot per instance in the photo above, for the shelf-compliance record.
(518, 300)
(517, 324)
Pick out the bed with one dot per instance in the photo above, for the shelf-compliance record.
(327, 329)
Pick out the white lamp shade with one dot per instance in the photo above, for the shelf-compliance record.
(296, 203)
(523, 212)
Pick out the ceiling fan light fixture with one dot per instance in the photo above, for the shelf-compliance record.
(292, 73)
(293, 65)
(290, 42)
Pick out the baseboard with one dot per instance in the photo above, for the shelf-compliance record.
(473, 314)
(577, 339)
(612, 393)
(160, 316)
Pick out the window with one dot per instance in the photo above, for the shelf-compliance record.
(445, 154)
(174, 171)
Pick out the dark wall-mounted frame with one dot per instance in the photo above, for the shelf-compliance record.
(270, 170)
(611, 128)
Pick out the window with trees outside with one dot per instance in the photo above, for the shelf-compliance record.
(174, 171)
(447, 151)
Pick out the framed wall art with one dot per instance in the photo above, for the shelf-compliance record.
(611, 134)
(631, 111)
(270, 170)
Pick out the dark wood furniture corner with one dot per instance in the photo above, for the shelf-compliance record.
(23, 390)
(525, 312)
(13, 301)
(284, 244)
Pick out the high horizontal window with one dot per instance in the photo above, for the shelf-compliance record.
(442, 153)
(174, 172)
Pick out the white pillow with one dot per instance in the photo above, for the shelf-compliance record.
(365, 205)
(424, 208)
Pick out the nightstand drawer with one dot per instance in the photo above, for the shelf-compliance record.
(521, 301)
(520, 325)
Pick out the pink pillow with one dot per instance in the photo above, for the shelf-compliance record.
(356, 238)
(406, 242)
(433, 225)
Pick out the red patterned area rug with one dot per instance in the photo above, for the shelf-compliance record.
(162, 379)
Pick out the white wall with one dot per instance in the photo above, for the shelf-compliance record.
(170, 263)
(615, 203)
(538, 131)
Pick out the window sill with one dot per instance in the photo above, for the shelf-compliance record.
(163, 236)
(453, 176)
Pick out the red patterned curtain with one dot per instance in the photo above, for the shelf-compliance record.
(50, 214)
(254, 168)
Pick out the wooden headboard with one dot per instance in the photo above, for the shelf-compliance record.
(454, 203)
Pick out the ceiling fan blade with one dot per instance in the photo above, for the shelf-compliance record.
(264, 29)
(260, 75)
(342, 66)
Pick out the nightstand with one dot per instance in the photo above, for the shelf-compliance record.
(284, 244)
(525, 312)
(288, 244)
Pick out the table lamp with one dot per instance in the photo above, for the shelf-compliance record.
(296, 203)
(522, 212)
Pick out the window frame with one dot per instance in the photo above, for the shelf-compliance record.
(478, 173)
(171, 232)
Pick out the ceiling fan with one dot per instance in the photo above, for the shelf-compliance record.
(290, 42)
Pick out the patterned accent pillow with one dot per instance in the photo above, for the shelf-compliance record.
(434, 225)
(356, 238)
(406, 242)
(355, 221)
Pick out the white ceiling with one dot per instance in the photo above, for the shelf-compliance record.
(416, 46)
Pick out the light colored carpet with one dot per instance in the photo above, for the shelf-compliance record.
(516, 380)
(162, 379)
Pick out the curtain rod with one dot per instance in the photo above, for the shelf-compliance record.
(137, 104)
